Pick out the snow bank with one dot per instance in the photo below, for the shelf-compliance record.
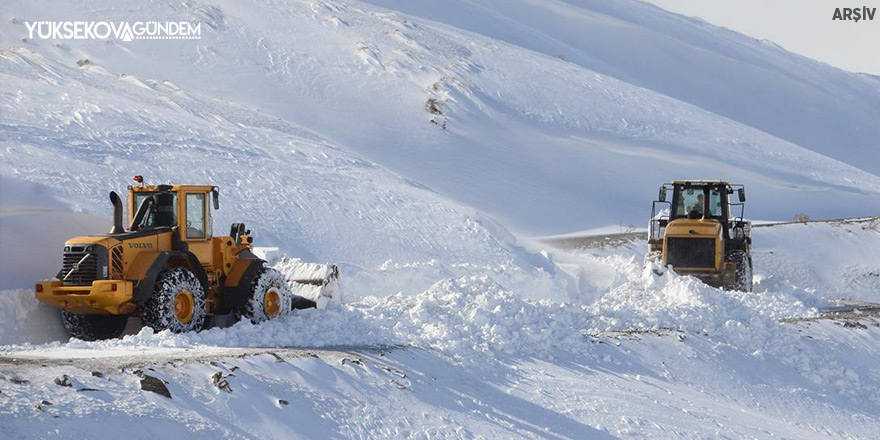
(474, 320)
(827, 260)
(25, 321)
(35, 221)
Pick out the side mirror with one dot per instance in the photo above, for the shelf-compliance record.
(742, 194)
(662, 196)
(215, 193)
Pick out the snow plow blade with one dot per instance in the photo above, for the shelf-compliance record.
(315, 284)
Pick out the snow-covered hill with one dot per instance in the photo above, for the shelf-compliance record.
(756, 83)
(535, 141)
(406, 145)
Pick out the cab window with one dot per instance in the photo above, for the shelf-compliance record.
(195, 216)
(715, 202)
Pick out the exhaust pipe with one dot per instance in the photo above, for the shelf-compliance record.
(117, 213)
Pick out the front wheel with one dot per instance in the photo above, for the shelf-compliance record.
(743, 278)
(93, 327)
(177, 304)
(269, 297)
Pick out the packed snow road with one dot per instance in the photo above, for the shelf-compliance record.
(12, 360)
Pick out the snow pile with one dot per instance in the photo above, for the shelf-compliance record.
(462, 318)
(465, 315)
(645, 301)
(474, 321)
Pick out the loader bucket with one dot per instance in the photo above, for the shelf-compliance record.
(315, 282)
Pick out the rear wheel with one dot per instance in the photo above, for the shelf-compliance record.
(269, 298)
(93, 327)
(177, 304)
(743, 279)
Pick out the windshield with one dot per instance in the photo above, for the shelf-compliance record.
(163, 213)
(691, 201)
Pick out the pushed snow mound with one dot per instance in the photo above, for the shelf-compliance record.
(462, 317)
(474, 321)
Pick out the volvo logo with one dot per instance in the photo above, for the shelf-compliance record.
(76, 266)
(140, 245)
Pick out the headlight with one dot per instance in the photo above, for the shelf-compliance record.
(66, 248)
(90, 248)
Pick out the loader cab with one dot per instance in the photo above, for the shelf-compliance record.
(185, 209)
(705, 200)
(700, 231)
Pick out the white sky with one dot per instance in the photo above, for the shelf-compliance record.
(801, 26)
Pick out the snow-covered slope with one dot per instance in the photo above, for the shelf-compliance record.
(405, 149)
(756, 83)
(538, 142)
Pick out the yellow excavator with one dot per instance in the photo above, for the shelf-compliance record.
(169, 269)
(702, 233)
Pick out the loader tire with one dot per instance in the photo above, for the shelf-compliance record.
(177, 303)
(93, 327)
(269, 297)
(743, 279)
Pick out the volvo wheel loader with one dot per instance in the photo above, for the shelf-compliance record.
(169, 269)
(698, 232)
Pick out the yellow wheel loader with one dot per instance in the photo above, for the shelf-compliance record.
(702, 233)
(169, 269)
